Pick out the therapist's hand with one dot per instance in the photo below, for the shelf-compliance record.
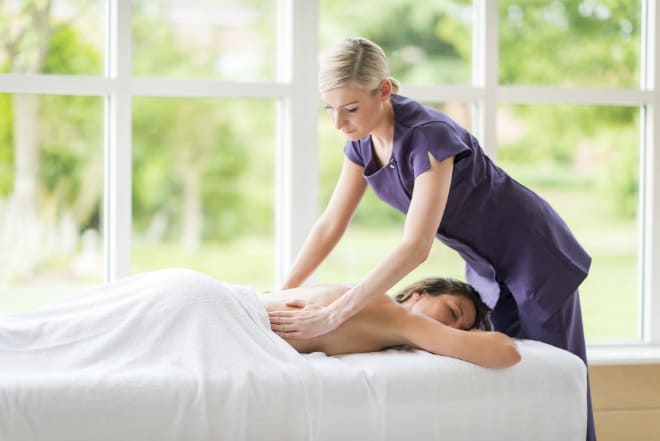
(308, 322)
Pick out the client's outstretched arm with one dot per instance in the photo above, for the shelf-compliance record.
(488, 349)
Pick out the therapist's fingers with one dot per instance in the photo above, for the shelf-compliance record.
(307, 323)
(286, 327)
(289, 335)
(283, 327)
(282, 314)
(282, 322)
(286, 331)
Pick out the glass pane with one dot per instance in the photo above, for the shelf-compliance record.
(584, 43)
(584, 161)
(52, 37)
(230, 40)
(203, 187)
(461, 112)
(376, 228)
(51, 187)
(425, 42)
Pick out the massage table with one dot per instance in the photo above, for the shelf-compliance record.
(177, 355)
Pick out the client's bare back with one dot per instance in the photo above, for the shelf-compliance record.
(371, 329)
(384, 323)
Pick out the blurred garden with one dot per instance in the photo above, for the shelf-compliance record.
(203, 189)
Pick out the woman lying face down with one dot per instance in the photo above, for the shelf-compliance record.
(443, 316)
(449, 301)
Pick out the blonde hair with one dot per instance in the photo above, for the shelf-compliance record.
(357, 60)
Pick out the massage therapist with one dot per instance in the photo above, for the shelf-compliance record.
(519, 254)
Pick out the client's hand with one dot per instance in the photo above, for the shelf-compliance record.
(309, 321)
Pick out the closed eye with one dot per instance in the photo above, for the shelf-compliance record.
(353, 110)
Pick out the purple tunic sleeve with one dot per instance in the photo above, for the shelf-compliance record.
(438, 138)
(352, 152)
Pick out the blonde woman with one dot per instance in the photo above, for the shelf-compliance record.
(519, 254)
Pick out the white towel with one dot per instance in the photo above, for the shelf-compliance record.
(166, 355)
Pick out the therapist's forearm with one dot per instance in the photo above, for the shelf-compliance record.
(395, 266)
(319, 243)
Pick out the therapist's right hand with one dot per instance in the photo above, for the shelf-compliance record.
(309, 321)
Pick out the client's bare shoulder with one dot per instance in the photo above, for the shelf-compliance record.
(371, 329)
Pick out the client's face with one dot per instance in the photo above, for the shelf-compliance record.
(454, 311)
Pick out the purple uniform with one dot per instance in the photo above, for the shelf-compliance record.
(519, 254)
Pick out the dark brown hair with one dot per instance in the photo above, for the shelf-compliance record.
(438, 286)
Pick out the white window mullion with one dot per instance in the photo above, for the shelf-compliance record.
(283, 124)
(438, 93)
(485, 44)
(178, 88)
(297, 164)
(117, 140)
(572, 95)
(651, 175)
(50, 84)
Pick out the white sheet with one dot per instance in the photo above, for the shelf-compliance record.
(415, 395)
(177, 355)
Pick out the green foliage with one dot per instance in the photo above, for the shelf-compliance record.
(574, 43)
(60, 166)
(413, 35)
(167, 47)
(69, 53)
(173, 138)
(570, 42)
(68, 129)
(226, 142)
(6, 142)
(163, 57)
(620, 181)
(71, 151)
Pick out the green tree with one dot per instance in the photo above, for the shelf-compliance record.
(190, 155)
(185, 176)
(575, 43)
(25, 35)
(71, 159)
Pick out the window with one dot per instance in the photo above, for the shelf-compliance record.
(137, 135)
(547, 81)
(203, 187)
(426, 43)
(51, 186)
(587, 168)
(593, 43)
(100, 180)
(53, 37)
(229, 40)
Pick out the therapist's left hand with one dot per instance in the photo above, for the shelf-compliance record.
(308, 322)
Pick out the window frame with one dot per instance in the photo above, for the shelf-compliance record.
(297, 144)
